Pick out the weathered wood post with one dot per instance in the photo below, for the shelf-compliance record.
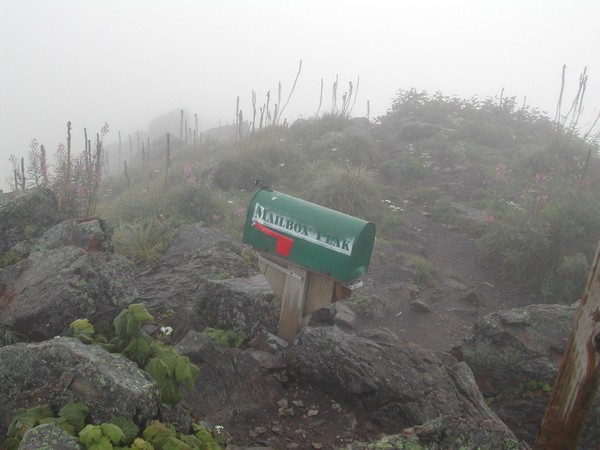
(311, 255)
(578, 378)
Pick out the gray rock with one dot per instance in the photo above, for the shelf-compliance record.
(398, 383)
(515, 357)
(508, 348)
(41, 295)
(92, 234)
(58, 370)
(208, 280)
(231, 382)
(27, 217)
(49, 436)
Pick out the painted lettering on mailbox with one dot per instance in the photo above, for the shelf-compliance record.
(282, 222)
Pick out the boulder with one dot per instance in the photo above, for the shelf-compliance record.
(231, 382)
(93, 234)
(63, 369)
(49, 436)
(510, 348)
(208, 280)
(515, 356)
(400, 384)
(25, 218)
(42, 294)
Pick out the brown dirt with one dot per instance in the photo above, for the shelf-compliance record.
(464, 288)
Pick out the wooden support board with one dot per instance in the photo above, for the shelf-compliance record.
(292, 304)
(317, 291)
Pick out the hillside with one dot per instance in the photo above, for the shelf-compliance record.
(478, 197)
(479, 207)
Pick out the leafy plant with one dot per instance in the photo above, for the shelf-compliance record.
(226, 338)
(162, 362)
(70, 418)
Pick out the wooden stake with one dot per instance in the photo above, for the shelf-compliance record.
(292, 305)
(578, 378)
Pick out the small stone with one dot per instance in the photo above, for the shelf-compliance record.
(336, 407)
(312, 412)
(260, 430)
(420, 306)
(317, 445)
(298, 403)
(290, 412)
(283, 403)
(252, 433)
(277, 429)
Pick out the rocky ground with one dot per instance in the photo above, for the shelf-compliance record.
(436, 318)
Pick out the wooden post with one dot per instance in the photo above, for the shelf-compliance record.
(318, 292)
(292, 303)
(578, 378)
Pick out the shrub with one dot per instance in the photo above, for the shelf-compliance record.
(144, 240)
(346, 191)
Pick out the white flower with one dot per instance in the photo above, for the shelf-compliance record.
(166, 330)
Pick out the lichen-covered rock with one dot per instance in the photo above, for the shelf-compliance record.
(26, 217)
(515, 357)
(41, 295)
(93, 234)
(400, 384)
(207, 279)
(231, 383)
(513, 347)
(63, 369)
(450, 432)
(49, 436)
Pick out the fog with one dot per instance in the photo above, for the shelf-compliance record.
(126, 62)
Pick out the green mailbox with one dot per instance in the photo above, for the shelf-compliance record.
(313, 237)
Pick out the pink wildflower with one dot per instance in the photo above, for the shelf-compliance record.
(501, 169)
(542, 199)
(216, 217)
(240, 212)
(488, 218)
(539, 177)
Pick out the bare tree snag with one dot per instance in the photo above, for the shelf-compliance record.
(578, 378)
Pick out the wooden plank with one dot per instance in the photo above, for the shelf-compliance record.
(318, 294)
(578, 378)
(292, 304)
(275, 278)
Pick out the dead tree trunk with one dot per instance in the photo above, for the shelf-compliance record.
(577, 381)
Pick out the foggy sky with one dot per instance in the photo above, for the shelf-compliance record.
(127, 61)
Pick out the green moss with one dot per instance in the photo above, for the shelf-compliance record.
(396, 441)
(529, 390)
(9, 259)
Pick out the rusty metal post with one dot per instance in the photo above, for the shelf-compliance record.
(578, 378)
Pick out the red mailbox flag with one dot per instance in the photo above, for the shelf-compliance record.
(283, 244)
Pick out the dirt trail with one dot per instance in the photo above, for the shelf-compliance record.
(464, 288)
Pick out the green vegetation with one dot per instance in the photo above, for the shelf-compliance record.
(362, 303)
(531, 181)
(169, 369)
(8, 336)
(118, 434)
(226, 338)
